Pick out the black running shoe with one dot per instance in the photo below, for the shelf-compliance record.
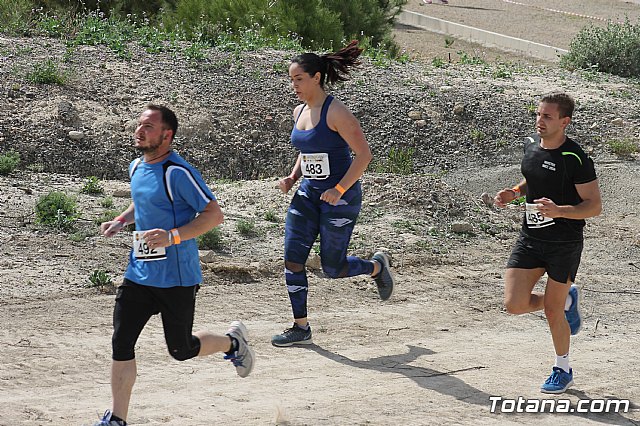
(292, 336)
(384, 279)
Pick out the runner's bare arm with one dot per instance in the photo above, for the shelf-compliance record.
(208, 219)
(111, 228)
(590, 206)
(507, 195)
(286, 183)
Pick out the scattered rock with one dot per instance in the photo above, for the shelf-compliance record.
(121, 193)
(76, 135)
(415, 115)
(461, 227)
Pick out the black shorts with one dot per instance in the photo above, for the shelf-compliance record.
(135, 304)
(560, 260)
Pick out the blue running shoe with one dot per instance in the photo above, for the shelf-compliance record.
(573, 315)
(558, 382)
(106, 420)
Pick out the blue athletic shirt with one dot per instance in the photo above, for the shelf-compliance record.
(321, 139)
(167, 195)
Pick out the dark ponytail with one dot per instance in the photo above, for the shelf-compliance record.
(332, 67)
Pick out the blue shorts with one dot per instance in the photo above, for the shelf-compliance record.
(560, 260)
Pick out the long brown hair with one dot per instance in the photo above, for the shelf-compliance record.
(332, 67)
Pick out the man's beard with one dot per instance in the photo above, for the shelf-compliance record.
(151, 147)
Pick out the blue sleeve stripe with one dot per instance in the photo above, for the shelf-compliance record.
(170, 169)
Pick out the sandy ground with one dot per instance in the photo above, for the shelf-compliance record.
(550, 22)
(434, 354)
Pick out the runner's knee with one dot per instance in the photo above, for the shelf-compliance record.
(335, 272)
(122, 352)
(516, 307)
(293, 267)
(184, 350)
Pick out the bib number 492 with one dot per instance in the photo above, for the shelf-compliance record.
(143, 252)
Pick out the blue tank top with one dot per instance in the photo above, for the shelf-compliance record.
(321, 139)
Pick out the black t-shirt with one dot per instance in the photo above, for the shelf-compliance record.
(554, 173)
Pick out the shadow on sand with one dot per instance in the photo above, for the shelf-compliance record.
(445, 382)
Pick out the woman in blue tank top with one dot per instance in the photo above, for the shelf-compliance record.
(328, 200)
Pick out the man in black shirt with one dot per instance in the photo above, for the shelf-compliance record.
(561, 190)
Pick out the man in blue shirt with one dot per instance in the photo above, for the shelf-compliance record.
(171, 206)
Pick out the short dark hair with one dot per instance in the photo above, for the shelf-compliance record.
(169, 118)
(565, 102)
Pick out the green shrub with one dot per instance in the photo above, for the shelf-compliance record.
(271, 216)
(8, 162)
(107, 202)
(233, 25)
(614, 49)
(99, 278)
(46, 72)
(437, 62)
(92, 186)
(56, 210)
(246, 227)
(13, 16)
(623, 147)
(210, 240)
(399, 161)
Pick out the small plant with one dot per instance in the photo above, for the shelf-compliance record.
(79, 236)
(437, 62)
(100, 279)
(477, 135)
(448, 41)
(107, 202)
(196, 51)
(92, 186)
(271, 216)
(519, 201)
(502, 72)
(56, 210)
(623, 147)
(246, 227)
(466, 59)
(46, 72)
(401, 160)
(8, 162)
(210, 240)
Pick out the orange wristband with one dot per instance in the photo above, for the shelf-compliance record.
(516, 190)
(340, 189)
(176, 236)
(122, 220)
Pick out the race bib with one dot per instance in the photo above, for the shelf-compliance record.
(535, 219)
(142, 251)
(315, 166)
